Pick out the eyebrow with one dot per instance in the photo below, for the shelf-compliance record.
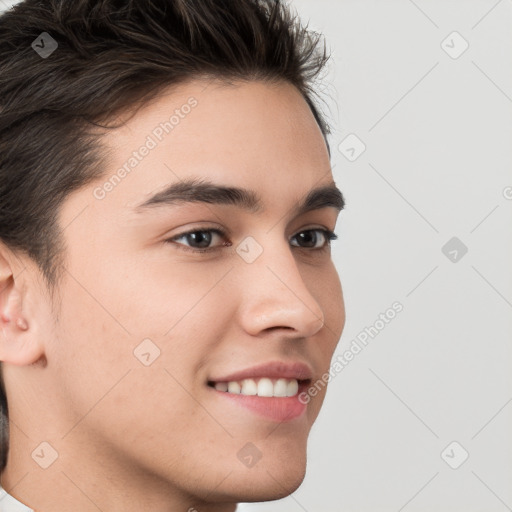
(194, 190)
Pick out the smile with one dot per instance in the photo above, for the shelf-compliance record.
(263, 387)
(273, 399)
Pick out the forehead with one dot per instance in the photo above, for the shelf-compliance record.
(256, 135)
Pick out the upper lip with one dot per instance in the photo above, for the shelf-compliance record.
(273, 369)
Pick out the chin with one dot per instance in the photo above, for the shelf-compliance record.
(266, 487)
(271, 479)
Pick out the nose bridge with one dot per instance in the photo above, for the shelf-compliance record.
(276, 294)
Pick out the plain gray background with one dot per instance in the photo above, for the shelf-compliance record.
(434, 385)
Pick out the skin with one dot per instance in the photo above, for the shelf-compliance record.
(132, 437)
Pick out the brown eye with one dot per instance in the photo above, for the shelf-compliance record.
(200, 240)
(311, 238)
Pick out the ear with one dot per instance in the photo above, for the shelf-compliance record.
(18, 344)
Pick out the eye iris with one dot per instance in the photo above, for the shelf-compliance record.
(202, 238)
(308, 235)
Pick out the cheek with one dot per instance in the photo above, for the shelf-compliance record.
(156, 298)
(331, 300)
(329, 294)
(112, 381)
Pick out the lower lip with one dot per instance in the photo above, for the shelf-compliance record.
(281, 409)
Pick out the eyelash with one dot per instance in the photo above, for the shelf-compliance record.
(328, 234)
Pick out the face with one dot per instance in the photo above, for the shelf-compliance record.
(160, 302)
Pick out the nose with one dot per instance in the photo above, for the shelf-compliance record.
(275, 296)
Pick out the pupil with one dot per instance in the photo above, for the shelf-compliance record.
(199, 238)
(309, 234)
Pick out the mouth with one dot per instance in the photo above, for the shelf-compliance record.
(277, 400)
(265, 387)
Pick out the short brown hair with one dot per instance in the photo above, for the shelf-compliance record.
(111, 56)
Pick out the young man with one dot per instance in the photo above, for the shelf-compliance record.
(167, 293)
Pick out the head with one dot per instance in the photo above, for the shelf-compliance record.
(135, 273)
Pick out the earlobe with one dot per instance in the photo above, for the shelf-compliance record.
(18, 345)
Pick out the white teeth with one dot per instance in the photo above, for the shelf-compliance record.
(292, 388)
(280, 387)
(263, 387)
(234, 387)
(249, 387)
